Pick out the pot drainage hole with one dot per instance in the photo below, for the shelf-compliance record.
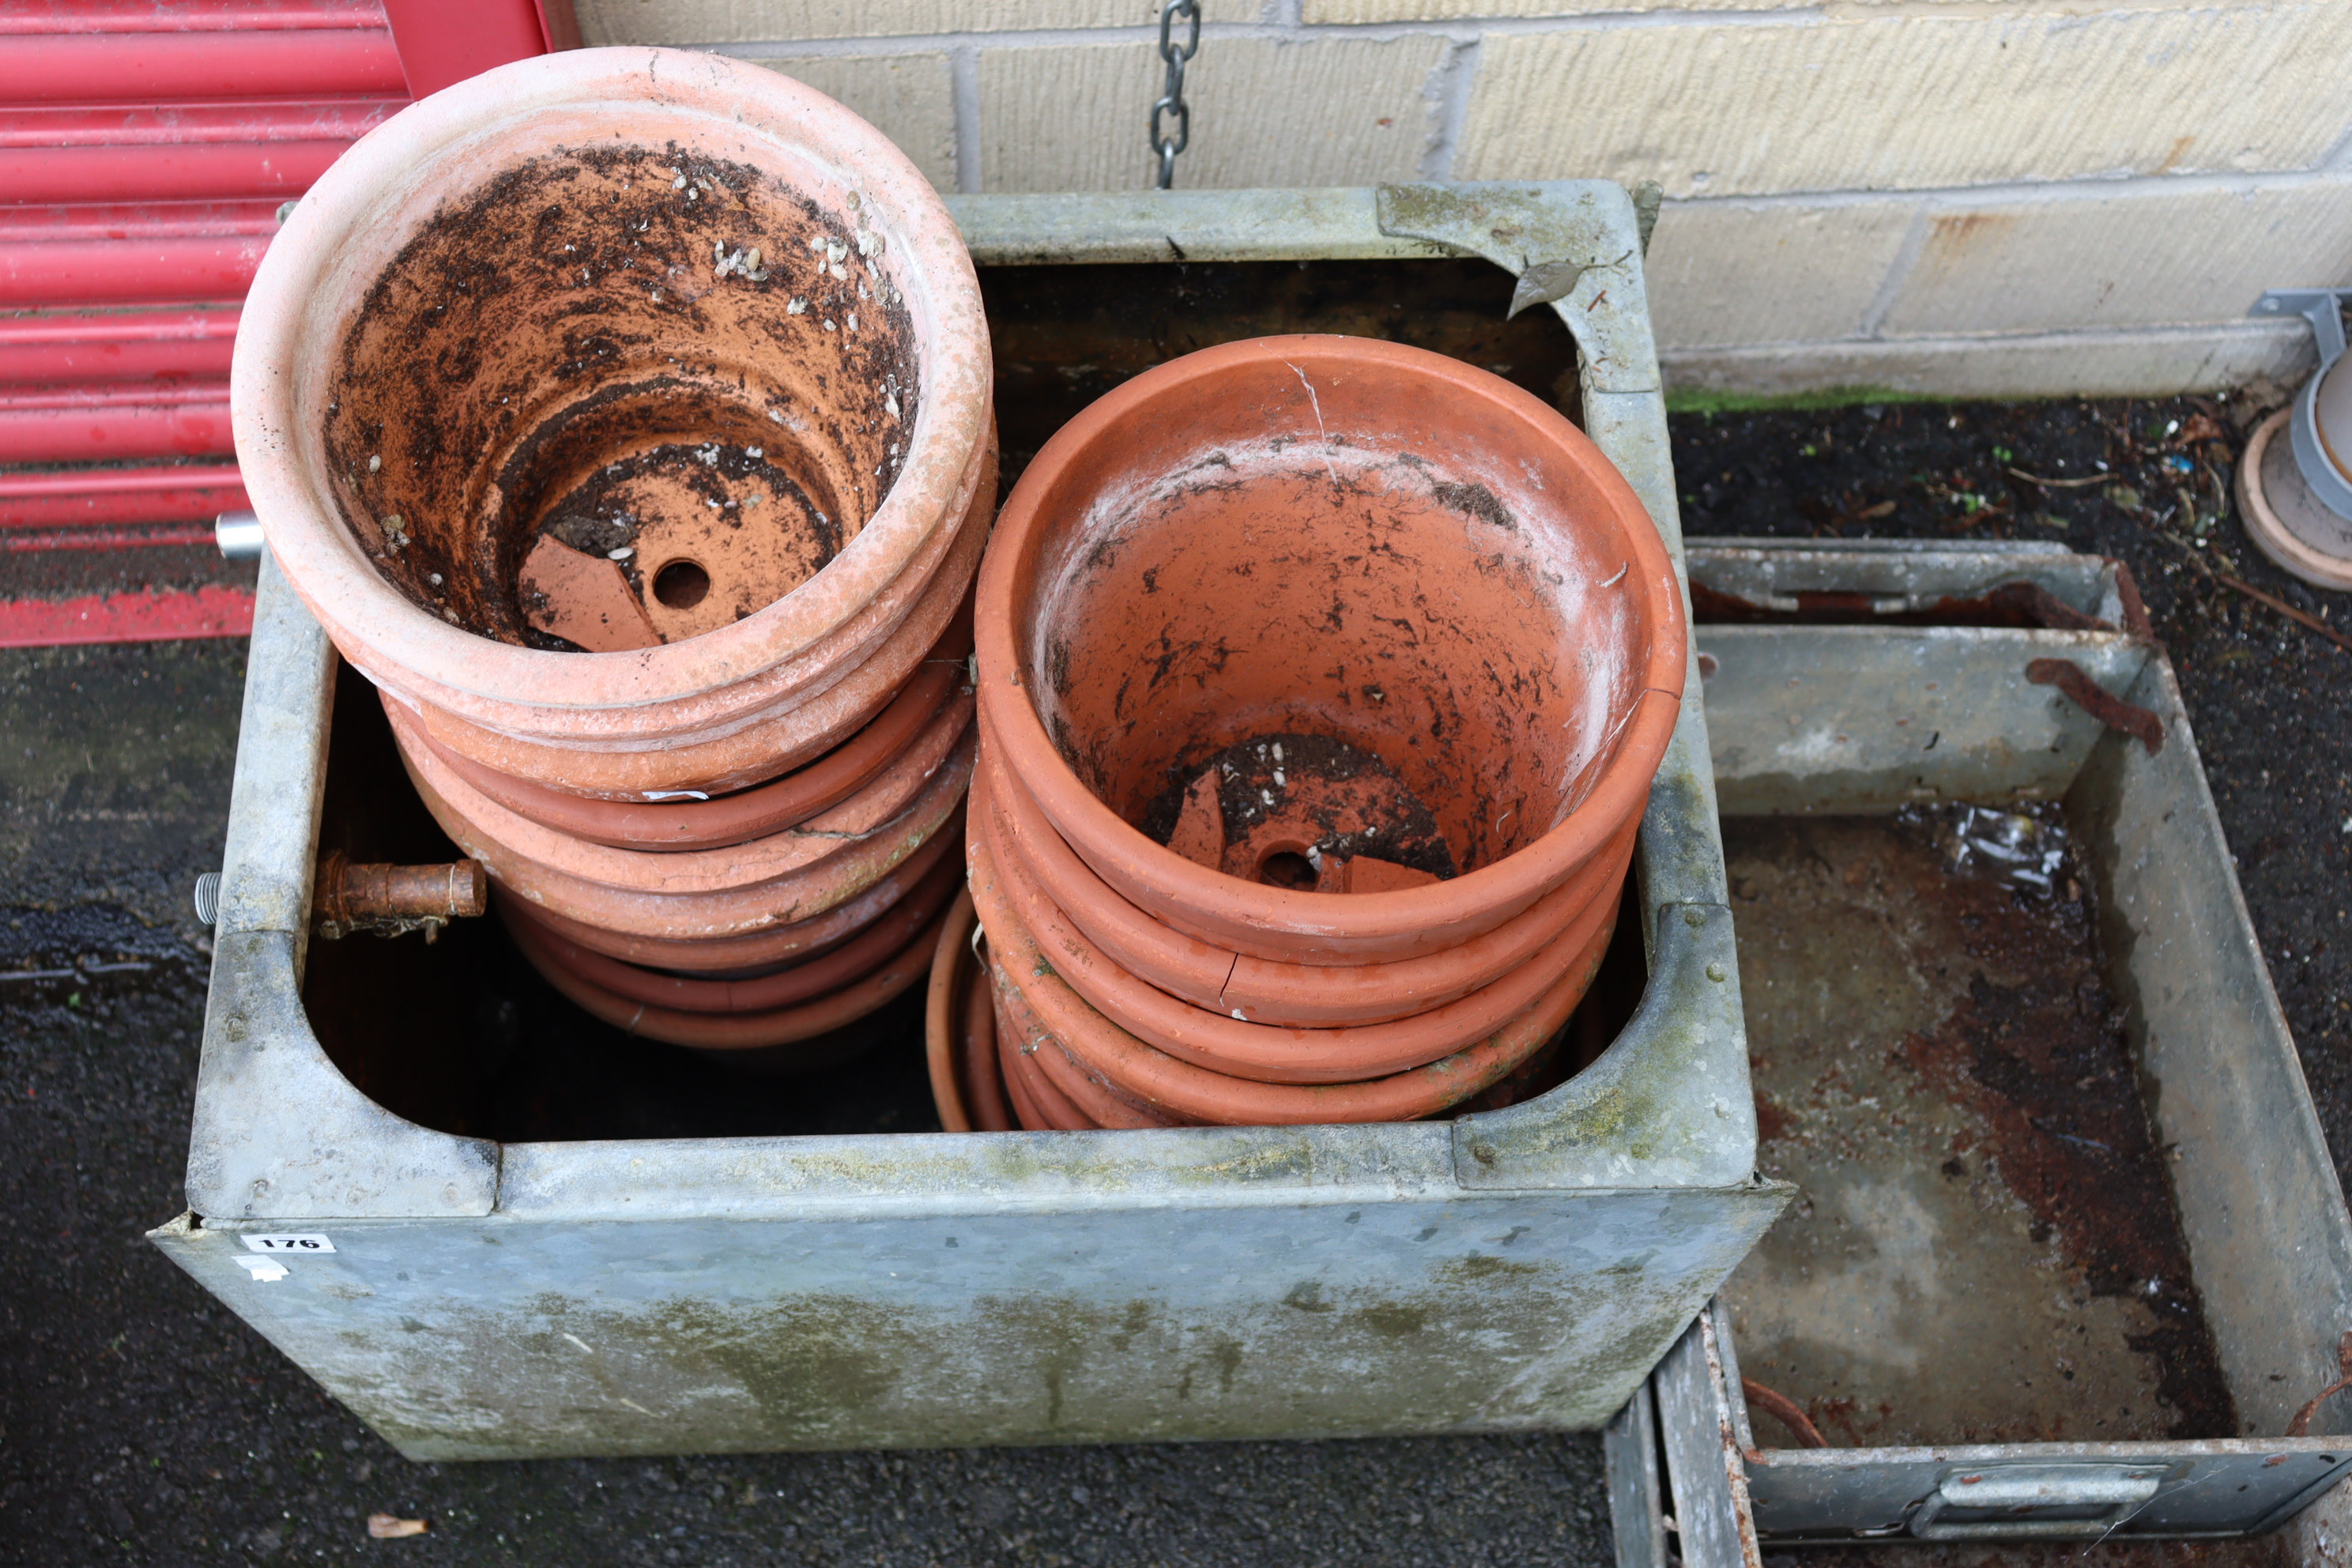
(1302, 812)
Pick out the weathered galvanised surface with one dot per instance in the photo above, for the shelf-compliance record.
(1514, 1270)
(2072, 1253)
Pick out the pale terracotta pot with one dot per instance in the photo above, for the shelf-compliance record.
(800, 983)
(1340, 537)
(745, 751)
(424, 369)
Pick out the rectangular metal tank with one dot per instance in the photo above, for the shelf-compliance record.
(1520, 1269)
(1949, 1300)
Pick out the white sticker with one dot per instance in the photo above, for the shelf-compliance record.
(264, 1269)
(285, 1244)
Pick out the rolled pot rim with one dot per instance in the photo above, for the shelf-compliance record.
(1119, 850)
(326, 564)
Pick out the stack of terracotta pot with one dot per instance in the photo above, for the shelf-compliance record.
(1322, 682)
(623, 415)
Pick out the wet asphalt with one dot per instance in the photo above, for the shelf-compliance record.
(144, 1424)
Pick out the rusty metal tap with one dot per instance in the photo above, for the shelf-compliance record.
(392, 899)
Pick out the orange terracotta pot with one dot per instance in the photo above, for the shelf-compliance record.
(744, 888)
(746, 1039)
(1054, 1018)
(662, 298)
(771, 947)
(1256, 990)
(851, 960)
(1273, 1054)
(1343, 539)
(753, 812)
(960, 1031)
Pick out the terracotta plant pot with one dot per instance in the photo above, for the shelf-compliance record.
(1087, 1056)
(1351, 542)
(777, 880)
(642, 300)
(1321, 685)
(766, 950)
(753, 1040)
(782, 802)
(960, 1031)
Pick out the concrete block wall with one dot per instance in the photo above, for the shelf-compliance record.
(1963, 197)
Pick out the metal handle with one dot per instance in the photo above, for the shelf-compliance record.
(238, 534)
(2020, 1492)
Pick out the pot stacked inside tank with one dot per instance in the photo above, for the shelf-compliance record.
(1321, 685)
(673, 451)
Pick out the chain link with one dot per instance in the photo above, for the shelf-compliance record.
(1171, 99)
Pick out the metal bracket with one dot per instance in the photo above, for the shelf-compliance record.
(2323, 307)
(2095, 1498)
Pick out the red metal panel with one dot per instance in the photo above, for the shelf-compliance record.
(443, 42)
(170, 346)
(178, 124)
(128, 271)
(163, 16)
(214, 611)
(81, 498)
(91, 433)
(204, 171)
(143, 68)
(138, 220)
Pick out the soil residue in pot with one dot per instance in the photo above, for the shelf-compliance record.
(1290, 808)
(632, 349)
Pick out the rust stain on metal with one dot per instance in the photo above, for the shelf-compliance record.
(1987, 1249)
(2124, 718)
(673, 367)
(392, 899)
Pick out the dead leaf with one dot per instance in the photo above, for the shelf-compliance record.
(392, 1527)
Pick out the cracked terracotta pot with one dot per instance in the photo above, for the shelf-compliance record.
(1280, 1054)
(619, 399)
(1075, 1067)
(1428, 585)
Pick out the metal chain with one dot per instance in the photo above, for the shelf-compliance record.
(1172, 99)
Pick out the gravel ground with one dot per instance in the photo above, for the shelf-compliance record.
(144, 1425)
